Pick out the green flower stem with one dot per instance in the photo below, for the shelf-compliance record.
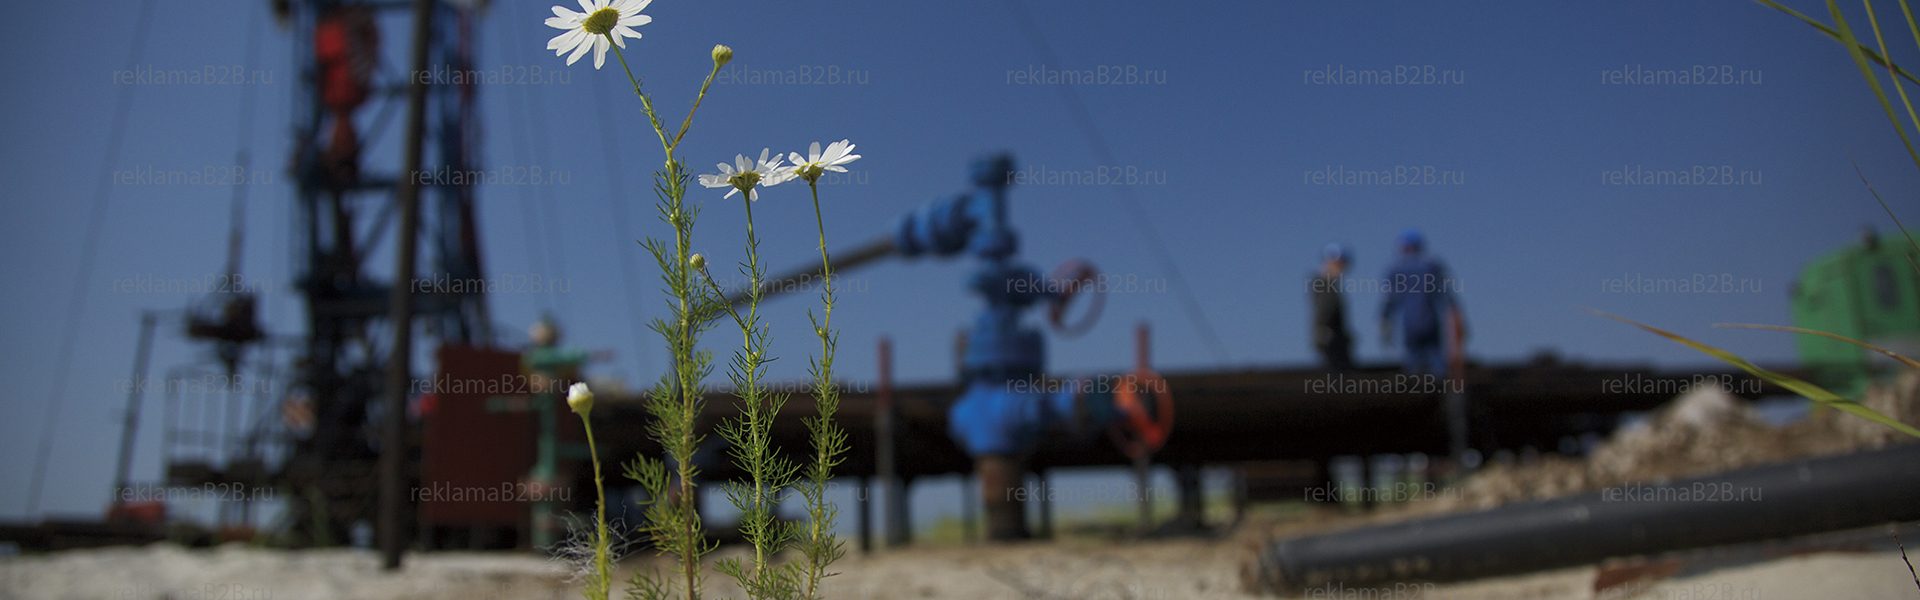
(677, 402)
(666, 144)
(684, 125)
(603, 579)
(820, 548)
(689, 382)
(722, 294)
(759, 445)
(749, 436)
(826, 266)
(645, 102)
(753, 263)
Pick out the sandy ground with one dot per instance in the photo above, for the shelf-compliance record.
(1036, 571)
(1699, 433)
(236, 572)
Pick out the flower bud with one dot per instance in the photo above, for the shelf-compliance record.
(722, 55)
(580, 399)
(698, 262)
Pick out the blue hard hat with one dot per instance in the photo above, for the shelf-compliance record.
(1336, 251)
(1412, 237)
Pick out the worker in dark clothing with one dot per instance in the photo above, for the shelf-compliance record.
(1420, 298)
(1330, 335)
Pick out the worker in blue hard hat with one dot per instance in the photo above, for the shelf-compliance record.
(1420, 306)
(1330, 335)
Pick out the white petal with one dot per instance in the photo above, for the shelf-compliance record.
(562, 12)
(599, 51)
(636, 20)
(579, 51)
(845, 155)
(564, 42)
(624, 33)
(587, 7)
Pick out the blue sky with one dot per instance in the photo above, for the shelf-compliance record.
(1231, 129)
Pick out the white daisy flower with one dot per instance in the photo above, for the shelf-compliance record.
(746, 175)
(589, 30)
(811, 167)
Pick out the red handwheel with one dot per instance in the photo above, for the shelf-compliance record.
(1072, 278)
(1142, 429)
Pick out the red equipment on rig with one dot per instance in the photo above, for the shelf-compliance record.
(346, 47)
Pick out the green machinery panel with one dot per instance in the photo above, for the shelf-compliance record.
(1867, 291)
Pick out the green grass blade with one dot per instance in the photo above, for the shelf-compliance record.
(1881, 40)
(1797, 385)
(1889, 209)
(1914, 29)
(1859, 54)
(1911, 25)
(1829, 31)
(1904, 101)
(1896, 356)
(1879, 59)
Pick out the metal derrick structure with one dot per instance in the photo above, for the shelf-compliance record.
(347, 99)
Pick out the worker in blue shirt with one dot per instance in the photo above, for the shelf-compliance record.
(1420, 302)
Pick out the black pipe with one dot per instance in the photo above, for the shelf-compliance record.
(1750, 505)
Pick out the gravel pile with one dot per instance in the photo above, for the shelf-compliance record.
(1702, 432)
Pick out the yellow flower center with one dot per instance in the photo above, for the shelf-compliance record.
(810, 172)
(601, 21)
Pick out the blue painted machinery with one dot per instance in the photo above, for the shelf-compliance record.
(1010, 406)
